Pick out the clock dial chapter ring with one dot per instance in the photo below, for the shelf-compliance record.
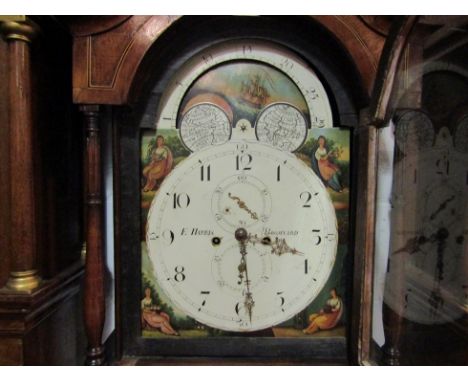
(242, 284)
(281, 125)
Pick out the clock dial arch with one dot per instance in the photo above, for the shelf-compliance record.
(244, 51)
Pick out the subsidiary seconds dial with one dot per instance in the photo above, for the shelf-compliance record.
(242, 236)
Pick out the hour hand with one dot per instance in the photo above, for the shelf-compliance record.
(442, 207)
(278, 246)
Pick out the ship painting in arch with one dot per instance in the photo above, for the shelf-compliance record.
(254, 92)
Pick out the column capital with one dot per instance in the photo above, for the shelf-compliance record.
(18, 28)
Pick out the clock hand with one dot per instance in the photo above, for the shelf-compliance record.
(243, 206)
(278, 247)
(242, 236)
(414, 244)
(442, 207)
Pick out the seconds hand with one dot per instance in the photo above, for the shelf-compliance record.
(241, 235)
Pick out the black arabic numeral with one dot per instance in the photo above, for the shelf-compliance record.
(243, 162)
(181, 200)
(319, 238)
(169, 236)
(305, 196)
(282, 300)
(179, 273)
(203, 293)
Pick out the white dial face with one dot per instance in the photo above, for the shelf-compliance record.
(242, 236)
(281, 125)
(204, 125)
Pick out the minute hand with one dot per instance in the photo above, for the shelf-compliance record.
(442, 207)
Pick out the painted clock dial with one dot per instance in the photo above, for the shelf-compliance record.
(242, 236)
(426, 281)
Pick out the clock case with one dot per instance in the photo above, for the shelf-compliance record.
(171, 51)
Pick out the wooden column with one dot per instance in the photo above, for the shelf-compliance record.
(24, 277)
(94, 299)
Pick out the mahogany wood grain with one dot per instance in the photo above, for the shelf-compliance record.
(381, 106)
(106, 63)
(364, 242)
(44, 326)
(22, 175)
(94, 299)
(104, 76)
(4, 169)
(362, 43)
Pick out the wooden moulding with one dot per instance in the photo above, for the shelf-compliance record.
(382, 107)
(364, 243)
(106, 57)
(22, 314)
(371, 119)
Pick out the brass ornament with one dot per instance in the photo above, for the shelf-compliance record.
(18, 29)
(24, 281)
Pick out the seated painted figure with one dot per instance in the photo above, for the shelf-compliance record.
(159, 166)
(153, 317)
(323, 166)
(328, 317)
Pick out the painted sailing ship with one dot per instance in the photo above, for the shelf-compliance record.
(254, 92)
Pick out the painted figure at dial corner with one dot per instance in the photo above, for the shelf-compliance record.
(153, 318)
(328, 317)
(324, 166)
(161, 161)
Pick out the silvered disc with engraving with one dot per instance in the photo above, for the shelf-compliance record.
(204, 125)
(281, 125)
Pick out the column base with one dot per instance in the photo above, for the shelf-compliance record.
(25, 281)
(95, 356)
(391, 355)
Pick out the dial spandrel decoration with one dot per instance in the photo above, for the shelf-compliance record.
(281, 125)
(204, 125)
(234, 273)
